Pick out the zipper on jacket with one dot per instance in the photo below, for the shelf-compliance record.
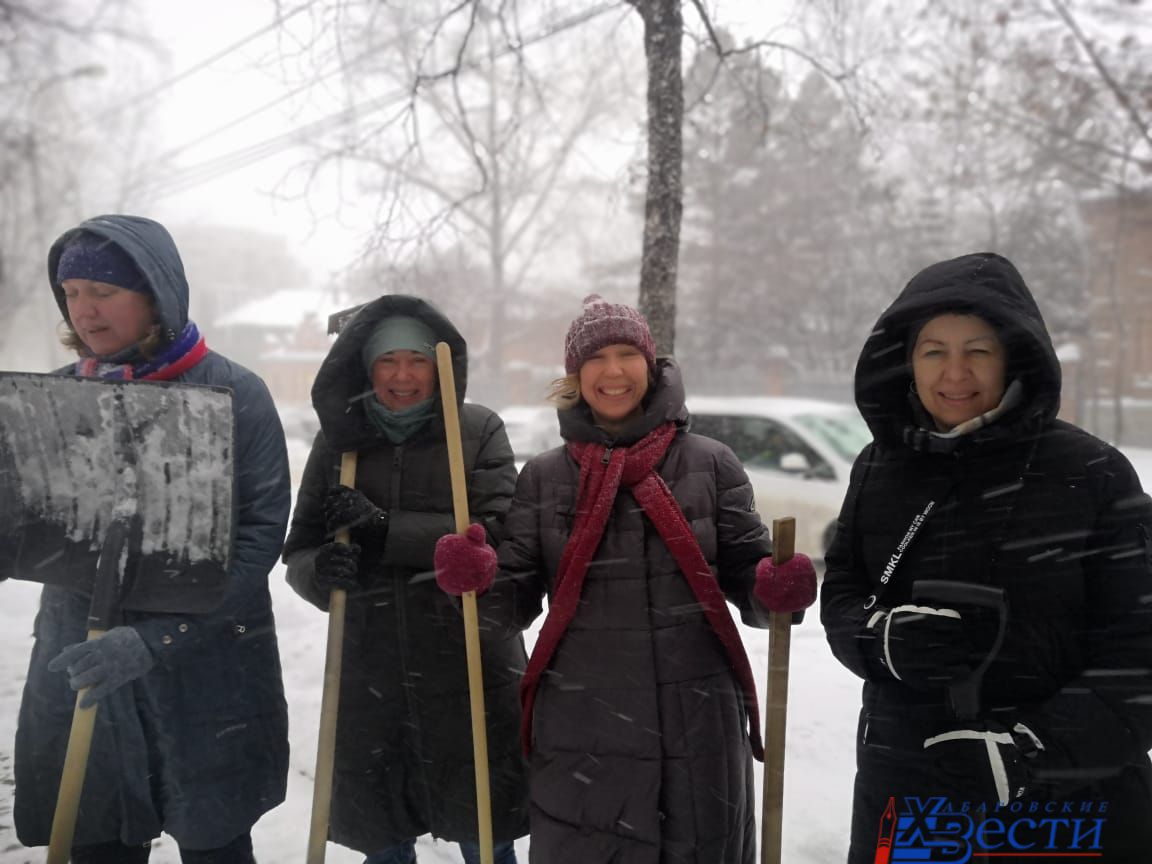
(394, 492)
(607, 457)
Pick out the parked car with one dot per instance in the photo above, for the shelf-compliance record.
(532, 429)
(797, 452)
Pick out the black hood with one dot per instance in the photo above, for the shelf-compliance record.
(663, 402)
(983, 284)
(153, 250)
(342, 382)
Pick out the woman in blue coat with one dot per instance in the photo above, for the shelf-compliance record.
(191, 735)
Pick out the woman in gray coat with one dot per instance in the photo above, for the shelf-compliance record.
(404, 764)
(192, 733)
(639, 705)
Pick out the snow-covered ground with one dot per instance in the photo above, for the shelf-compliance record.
(823, 701)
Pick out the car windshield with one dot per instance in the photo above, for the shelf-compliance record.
(844, 432)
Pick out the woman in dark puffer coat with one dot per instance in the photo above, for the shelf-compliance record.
(404, 764)
(640, 710)
(971, 479)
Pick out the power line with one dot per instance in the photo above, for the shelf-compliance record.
(150, 93)
(340, 66)
(212, 169)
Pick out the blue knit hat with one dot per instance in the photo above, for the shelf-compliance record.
(398, 333)
(101, 260)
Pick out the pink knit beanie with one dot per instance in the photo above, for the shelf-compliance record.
(602, 324)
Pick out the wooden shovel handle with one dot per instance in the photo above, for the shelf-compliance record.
(471, 617)
(72, 778)
(103, 609)
(330, 700)
(776, 705)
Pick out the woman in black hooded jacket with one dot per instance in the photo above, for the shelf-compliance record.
(403, 762)
(1037, 742)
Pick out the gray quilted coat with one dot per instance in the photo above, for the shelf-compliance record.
(640, 753)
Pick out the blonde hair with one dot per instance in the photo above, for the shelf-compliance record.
(149, 346)
(564, 392)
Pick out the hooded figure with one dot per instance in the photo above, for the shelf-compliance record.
(640, 708)
(192, 733)
(404, 764)
(972, 479)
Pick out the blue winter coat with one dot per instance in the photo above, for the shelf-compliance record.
(197, 747)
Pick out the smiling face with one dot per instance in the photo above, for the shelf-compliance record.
(401, 379)
(107, 318)
(613, 382)
(958, 365)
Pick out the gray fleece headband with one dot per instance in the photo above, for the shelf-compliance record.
(398, 333)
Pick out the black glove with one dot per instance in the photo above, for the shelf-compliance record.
(923, 646)
(349, 508)
(104, 664)
(985, 758)
(338, 566)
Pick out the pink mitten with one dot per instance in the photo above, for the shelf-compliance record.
(465, 562)
(790, 587)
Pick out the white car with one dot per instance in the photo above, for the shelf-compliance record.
(797, 452)
(531, 429)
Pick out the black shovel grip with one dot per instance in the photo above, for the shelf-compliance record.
(965, 695)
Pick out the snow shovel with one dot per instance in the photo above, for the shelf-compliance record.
(121, 491)
(471, 616)
(964, 695)
(776, 706)
(330, 699)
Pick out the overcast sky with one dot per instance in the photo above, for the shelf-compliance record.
(219, 110)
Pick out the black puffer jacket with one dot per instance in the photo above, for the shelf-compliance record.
(1031, 504)
(404, 763)
(639, 753)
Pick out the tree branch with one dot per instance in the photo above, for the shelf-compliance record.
(1110, 82)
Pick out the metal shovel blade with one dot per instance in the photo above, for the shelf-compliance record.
(80, 454)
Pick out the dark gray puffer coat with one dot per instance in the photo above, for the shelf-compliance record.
(404, 763)
(640, 753)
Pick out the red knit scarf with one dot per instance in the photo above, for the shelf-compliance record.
(602, 471)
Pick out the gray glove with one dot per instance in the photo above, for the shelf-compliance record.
(104, 664)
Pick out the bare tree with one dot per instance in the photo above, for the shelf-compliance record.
(664, 200)
(478, 144)
(51, 61)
